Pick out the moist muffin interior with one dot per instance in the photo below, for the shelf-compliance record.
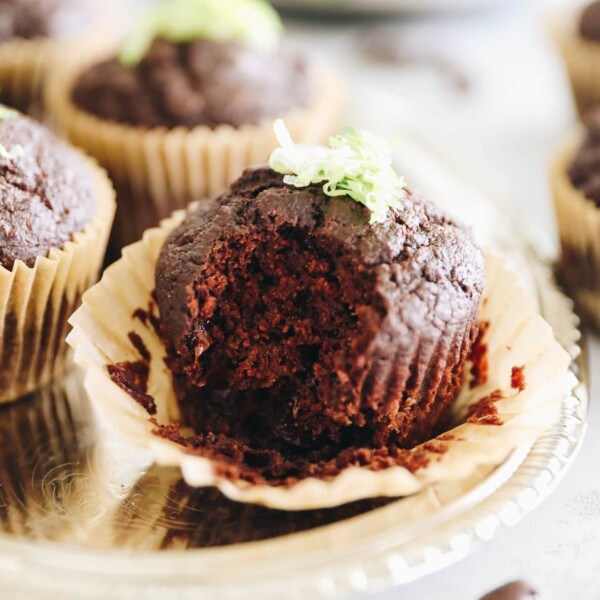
(275, 321)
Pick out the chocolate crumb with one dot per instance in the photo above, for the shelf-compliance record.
(141, 315)
(517, 378)
(515, 590)
(484, 411)
(132, 377)
(138, 344)
(148, 316)
(232, 460)
(479, 359)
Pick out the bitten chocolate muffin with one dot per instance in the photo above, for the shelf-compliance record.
(46, 192)
(43, 18)
(302, 338)
(196, 83)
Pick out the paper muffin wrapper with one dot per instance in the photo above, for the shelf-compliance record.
(159, 170)
(25, 64)
(578, 220)
(516, 336)
(581, 58)
(36, 302)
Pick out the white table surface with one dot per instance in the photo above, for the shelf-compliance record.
(514, 114)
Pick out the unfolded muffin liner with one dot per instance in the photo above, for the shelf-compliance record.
(36, 302)
(516, 336)
(578, 220)
(581, 58)
(159, 170)
(26, 63)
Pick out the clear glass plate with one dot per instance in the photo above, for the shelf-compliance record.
(81, 517)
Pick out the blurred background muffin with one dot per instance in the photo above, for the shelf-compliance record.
(35, 33)
(576, 190)
(577, 33)
(56, 209)
(188, 102)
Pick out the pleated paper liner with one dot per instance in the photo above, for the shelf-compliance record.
(36, 302)
(25, 64)
(157, 171)
(492, 417)
(578, 220)
(581, 58)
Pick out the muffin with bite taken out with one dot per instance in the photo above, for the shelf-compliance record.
(317, 334)
(318, 319)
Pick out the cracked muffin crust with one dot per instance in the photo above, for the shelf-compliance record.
(46, 192)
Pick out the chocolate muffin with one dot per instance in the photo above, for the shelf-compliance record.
(201, 82)
(36, 35)
(589, 22)
(56, 209)
(46, 192)
(576, 189)
(303, 339)
(584, 171)
(43, 18)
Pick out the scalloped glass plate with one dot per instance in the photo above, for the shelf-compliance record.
(78, 519)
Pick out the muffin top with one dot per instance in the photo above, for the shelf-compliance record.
(584, 171)
(589, 23)
(43, 18)
(196, 83)
(198, 62)
(46, 191)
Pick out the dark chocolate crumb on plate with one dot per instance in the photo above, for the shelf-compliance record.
(484, 411)
(517, 378)
(515, 590)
